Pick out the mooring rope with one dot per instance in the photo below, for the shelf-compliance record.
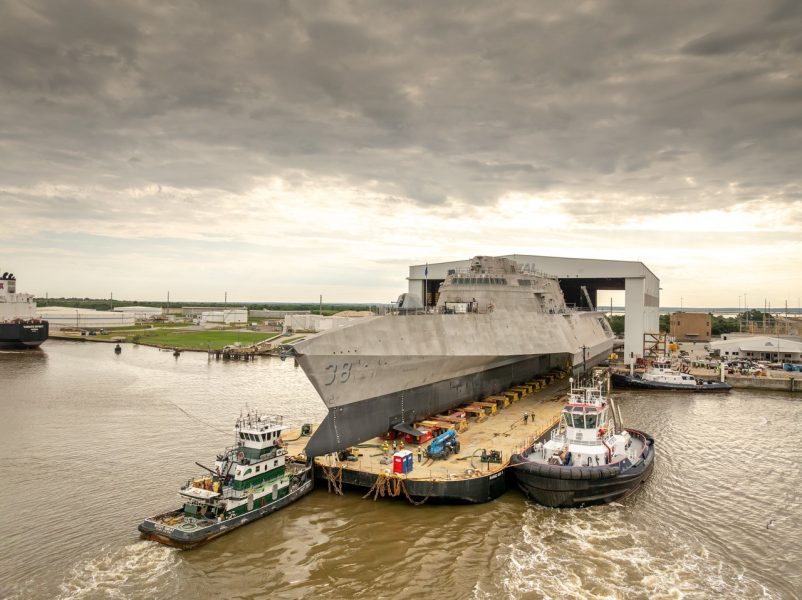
(198, 419)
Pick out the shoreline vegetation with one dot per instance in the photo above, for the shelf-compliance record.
(174, 307)
(187, 336)
(175, 337)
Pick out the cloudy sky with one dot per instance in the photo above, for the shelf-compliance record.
(281, 150)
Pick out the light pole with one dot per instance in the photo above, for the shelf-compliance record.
(746, 314)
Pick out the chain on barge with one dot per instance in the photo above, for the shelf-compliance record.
(251, 479)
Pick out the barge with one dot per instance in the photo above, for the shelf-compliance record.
(476, 472)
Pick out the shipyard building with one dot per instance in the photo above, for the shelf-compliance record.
(758, 347)
(581, 279)
(691, 327)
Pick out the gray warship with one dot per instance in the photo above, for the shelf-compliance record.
(493, 325)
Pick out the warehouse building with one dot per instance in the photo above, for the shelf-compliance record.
(229, 316)
(758, 347)
(141, 313)
(316, 323)
(60, 317)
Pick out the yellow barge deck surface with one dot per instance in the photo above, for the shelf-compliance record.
(504, 431)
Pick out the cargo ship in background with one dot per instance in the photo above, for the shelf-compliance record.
(493, 325)
(19, 325)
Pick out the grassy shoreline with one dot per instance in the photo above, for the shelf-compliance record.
(193, 340)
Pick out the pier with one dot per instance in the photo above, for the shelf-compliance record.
(245, 354)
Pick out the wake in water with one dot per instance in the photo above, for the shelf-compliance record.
(598, 553)
(140, 570)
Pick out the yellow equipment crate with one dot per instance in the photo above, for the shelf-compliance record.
(490, 406)
(512, 395)
(536, 384)
(477, 411)
(501, 401)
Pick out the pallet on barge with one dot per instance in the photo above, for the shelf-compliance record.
(476, 474)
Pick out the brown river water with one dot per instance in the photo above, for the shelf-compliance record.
(91, 443)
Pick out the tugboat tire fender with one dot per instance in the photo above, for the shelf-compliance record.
(587, 473)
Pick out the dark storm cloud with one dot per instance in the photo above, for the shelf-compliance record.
(667, 106)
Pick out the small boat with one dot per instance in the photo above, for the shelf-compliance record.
(250, 480)
(660, 376)
(587, 458)
(117, 349)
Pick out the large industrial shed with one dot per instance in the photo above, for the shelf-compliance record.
(641, 288)
(758, 347)
(66, 316)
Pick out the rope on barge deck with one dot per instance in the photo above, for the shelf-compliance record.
(334, 480)
(393, 486)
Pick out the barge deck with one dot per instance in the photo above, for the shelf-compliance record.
(463, 477)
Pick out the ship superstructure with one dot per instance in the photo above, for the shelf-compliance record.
(19, 325)
(493, 325)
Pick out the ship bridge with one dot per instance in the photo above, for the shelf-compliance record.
(581, 279)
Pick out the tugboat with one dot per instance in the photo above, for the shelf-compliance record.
(587, 458)
(249, 480)
(660, 376)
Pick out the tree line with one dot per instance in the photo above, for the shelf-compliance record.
(719, 323)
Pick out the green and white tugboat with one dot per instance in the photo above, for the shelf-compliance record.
(249, 480)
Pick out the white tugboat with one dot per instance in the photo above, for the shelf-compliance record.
(661, 376)
(588, 457)
(248, 481)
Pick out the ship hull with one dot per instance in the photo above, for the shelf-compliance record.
(396, 369)
(356, 422)
(23, 334)
(575, 487)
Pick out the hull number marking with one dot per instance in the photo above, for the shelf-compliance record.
(342, 376)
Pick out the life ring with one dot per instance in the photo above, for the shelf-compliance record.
(240, 455)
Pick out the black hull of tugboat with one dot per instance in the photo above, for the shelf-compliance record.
(23, 334)
(575, 487)
(630, 382)
(187, 540)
